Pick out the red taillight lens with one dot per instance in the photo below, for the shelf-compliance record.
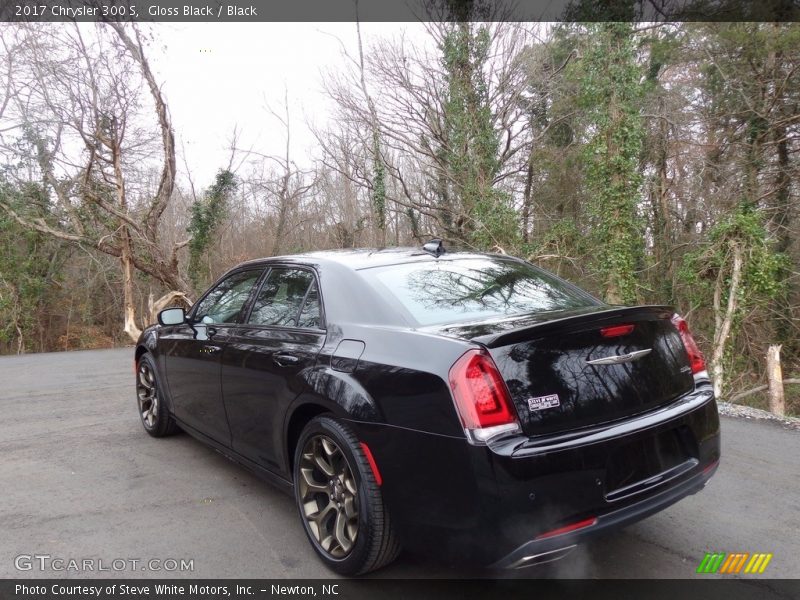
(480, 393)
(616, 331)
(695, 356)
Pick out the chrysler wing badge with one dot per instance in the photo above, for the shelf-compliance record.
(618, 359)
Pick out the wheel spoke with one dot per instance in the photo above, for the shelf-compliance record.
(330, 448)
(352, 530)
(349, 483)
(320, 516)
(311, 486)
(340, 532)
(323, 465)
(143, 380)
(350, 508)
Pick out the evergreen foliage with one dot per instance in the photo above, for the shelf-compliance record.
(206, 215)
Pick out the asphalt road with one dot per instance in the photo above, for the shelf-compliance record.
(79, 478)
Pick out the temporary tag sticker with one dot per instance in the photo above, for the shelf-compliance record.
(543, 402)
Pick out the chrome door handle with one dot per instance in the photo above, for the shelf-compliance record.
(208, 349)
(285, 360)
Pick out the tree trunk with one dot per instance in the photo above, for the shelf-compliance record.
(783, 319)
(527, 198)
(281, 225)
(724, 321)
(662, 227)
(127, 287)
(126, 252)
(777, 405)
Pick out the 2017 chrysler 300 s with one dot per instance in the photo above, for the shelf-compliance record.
(468, 406)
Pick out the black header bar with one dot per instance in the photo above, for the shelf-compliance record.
(397, 10)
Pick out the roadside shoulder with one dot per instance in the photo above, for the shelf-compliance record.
(726, 409)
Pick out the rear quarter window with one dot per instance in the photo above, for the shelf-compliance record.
(451, 291)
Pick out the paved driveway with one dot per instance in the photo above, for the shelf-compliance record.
(81, 479)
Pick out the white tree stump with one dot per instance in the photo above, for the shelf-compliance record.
(777, 405)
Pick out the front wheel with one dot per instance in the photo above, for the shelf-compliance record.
(339, 500)
(153, 411)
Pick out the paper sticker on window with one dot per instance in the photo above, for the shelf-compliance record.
(543, 402)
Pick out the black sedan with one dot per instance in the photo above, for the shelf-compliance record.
(468, 406)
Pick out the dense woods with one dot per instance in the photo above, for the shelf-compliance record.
(648, 163)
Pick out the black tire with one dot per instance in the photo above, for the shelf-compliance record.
(374, 543)
(153, 411)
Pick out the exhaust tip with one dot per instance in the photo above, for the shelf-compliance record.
(542, 557)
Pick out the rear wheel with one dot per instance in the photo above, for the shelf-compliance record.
(153, 410)
(340, 501)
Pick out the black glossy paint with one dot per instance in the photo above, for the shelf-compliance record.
(263, 371)
(193, 362)
(555, 362)
(247, 390)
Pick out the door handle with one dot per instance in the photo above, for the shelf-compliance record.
(208, 349)
(285, 360)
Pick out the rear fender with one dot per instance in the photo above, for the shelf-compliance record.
(342, 393)
(331, 392)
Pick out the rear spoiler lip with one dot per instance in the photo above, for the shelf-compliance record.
(600, 317)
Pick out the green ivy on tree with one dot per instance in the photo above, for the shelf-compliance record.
(379, 183)
(472, 148)
(610, 89)
(206, 214)
(762, 266)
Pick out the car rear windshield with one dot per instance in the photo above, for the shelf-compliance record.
(473, 289)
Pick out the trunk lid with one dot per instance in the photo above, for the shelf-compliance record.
(563, 373)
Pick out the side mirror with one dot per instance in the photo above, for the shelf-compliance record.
(171, 316)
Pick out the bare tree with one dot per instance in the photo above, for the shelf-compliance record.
(85, 112)
(279, 181)
(409, 119)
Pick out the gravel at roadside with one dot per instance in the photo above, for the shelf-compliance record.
(726, 409)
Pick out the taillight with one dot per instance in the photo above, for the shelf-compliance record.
(481, 397)
(696, 360)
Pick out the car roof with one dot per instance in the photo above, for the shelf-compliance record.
(364, 258)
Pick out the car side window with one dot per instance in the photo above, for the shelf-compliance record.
(225, 301)
(281, 300)
(310, 314)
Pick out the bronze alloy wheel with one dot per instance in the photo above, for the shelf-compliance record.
(329, 496)
(147, 394)
(338, 497)
(153, 407)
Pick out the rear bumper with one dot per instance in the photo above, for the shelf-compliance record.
(542, 550)
(488, 505)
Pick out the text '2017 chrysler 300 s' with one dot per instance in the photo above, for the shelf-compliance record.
(467, 406)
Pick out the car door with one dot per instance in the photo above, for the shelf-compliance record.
(193, 353)
(264, 364)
